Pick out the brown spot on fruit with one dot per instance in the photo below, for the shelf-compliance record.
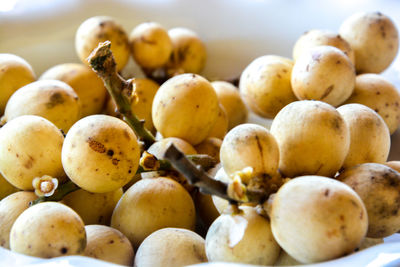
(126, 134)
(110, 152)
(327, 91)
(29, 163)
(326, 193)
(63, 250)
(55, 99)
(115, 161)
(96, 146)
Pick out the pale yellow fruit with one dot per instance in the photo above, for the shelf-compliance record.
(50, 99)
(312, 137)
(369, 135)
(243, 238)
(144, 91)
(152, 204)
(10, 208)
(379, 188)
(221, 204)
(394, 164)
(369, 242)
(47, 230)
(315, 218)
(210, 146)
(158, 148)
(205, 208)
(108, 244)
(220, 127)
(185, 106)
(6, 188)
(229, 97)
(316, 37)
(86, 84)
(30, 146)
(250, 145)
(188, 52)
(374, 38)
(150, 45)
(99, 29)
(323, 73)
(265, 85)
(93, 208)
(100, 153)
(376, 92)
(286, 260)
(171, 247)
(15, 72)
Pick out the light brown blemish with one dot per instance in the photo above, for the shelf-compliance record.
(96, 146)
(55, 99)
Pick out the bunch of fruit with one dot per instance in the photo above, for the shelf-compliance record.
(88, 169)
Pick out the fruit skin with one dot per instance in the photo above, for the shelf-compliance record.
(316, 37)
(185, 106)
(48, 229)
(10, 209)
(189, 53)
(15, 73)
(229, 97)
(243, 238)
(374, 91)
(171, 247)
(30, 146)
(99, 29)
(150, 44)
(265, 85)
(93, 208)
(250, 145)
(374, 38)
(87, 85)
(144, 91)
(379, 188)
(50, 99)
(6, 188)
(152, 204)
(366, 127)
(108, 244)
(100, 153)
(315, 218)
(323, 73)
(312, 137)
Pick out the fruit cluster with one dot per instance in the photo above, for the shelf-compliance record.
(86, 165)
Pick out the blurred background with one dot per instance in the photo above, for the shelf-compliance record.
(235, 31)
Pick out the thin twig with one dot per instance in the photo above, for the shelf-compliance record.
(103, 63)
(198, 177)
(59, 194)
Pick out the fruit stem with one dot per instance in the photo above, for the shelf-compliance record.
(103, 63)
(59, 194)
(198, 177)
(205, 161)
